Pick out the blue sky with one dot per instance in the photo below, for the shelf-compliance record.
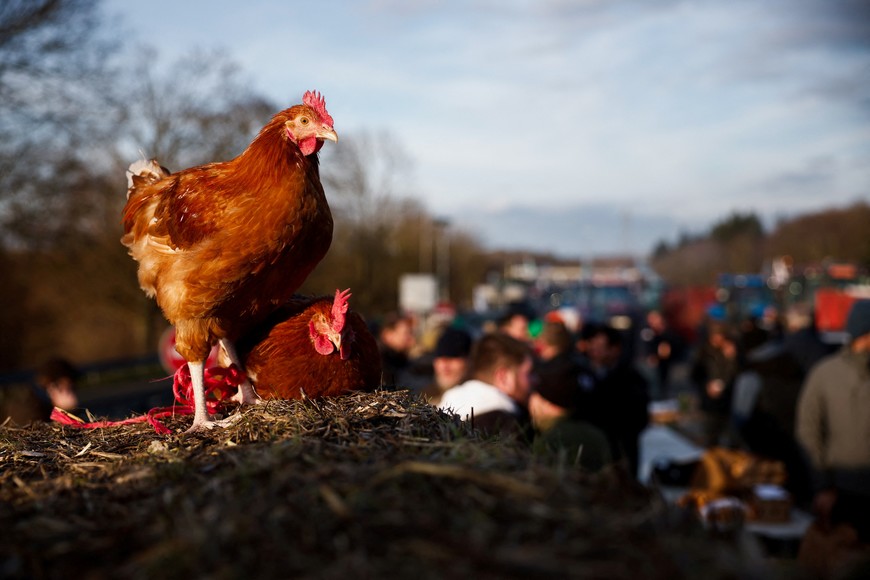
(581, 127)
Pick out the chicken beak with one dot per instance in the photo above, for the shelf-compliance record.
(327, 133)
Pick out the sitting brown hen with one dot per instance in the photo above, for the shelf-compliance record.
(311, 347)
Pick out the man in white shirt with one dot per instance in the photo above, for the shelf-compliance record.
(495, 397)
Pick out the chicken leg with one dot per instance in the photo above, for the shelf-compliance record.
(246, 394)
(201, 419)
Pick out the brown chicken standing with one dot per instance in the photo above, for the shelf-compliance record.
(220, 246)
(312, 347)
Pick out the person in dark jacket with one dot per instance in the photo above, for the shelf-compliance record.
(713, 373)
(764, 406)
(395, 342)
(614, 396)
(560, 435)
(802, 339)
(662, 347)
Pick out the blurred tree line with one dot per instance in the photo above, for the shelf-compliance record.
(739, 243)
(72, 118)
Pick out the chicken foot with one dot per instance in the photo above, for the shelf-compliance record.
(246, 394)
(201, 419)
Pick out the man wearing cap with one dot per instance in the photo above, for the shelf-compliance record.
(450, 363)
(559, 434)
(833, 426)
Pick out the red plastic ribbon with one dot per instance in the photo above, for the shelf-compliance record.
(220, 384)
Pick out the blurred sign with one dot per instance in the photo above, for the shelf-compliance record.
(842, 271)
(418, 292)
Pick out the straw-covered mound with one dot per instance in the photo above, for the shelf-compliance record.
(370, 485)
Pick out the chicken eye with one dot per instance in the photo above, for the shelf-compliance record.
(304, 120)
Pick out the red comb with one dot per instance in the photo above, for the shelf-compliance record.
(339, 309)
(316, 101)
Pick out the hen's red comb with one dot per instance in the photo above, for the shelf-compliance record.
(339, 309)
(316, 101)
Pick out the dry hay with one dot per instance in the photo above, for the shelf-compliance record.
(369, 485)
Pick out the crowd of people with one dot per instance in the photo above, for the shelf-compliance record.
(572, 397)
(775, 388)
(769, 386)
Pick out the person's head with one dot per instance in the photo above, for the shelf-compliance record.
(450, 361)
(858, 326)
(555, 396)
(798, 317)
(503, 362)
(516, 325)
(553, 340)
(770, 317)
(656, 321)
(605, 347)
(587, 331)
(58, 376)
(397, 333)
(720, 334)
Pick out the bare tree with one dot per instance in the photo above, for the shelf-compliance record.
(381, 230)
(63, 217)
(739, 244)
(367, 169)
(196, 110)
(839, 234)
(52, 75)
(364, 178)
(50, 52)
(52, 72)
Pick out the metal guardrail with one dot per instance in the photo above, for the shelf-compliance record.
(95, 373)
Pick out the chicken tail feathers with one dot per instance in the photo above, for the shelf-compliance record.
(144, 171)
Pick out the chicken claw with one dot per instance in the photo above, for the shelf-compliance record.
(246, 395)
(209, 424)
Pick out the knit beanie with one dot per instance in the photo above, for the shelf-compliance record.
(858, 323)
(559, 386)
(453, 343)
